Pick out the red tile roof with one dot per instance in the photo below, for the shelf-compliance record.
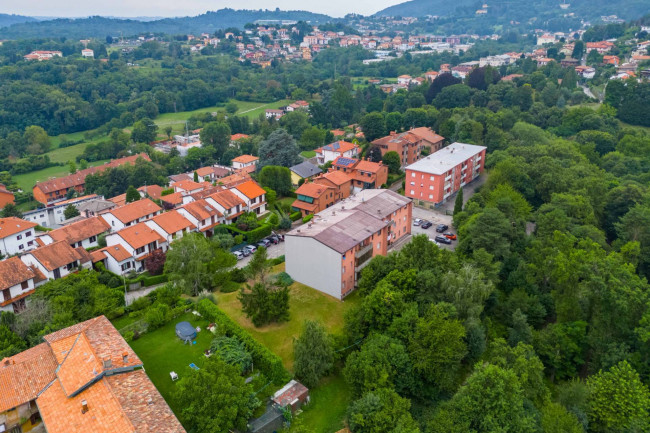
(152, 191)
(139, 235)
(80, 230)
(311, 189)
(173, 198)
(250, 189)
(227, 199)
(201, 210)
(244, 159)
(56, 255)
(187, 185)
(368, 166)
(12, 225)
(134, 210)
(337, 177)
(172, 222)
(117, 252)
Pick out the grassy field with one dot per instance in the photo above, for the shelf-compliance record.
(308, 153)
(27, 181)
(161, 352)
(326, 410)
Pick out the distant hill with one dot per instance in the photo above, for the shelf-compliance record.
(100, 27)
(521, 10)
(7, 20)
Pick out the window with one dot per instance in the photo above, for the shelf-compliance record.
(139, 250)
(412, 192)
(24, 285)
(21, 246)
(126, 266)
(93, 238)
(412, 183)
(412, 174)
(28, 234)
(431, 178)
(343, 270)
(30, 243)
(431, 187)
(430, 196)
(19, 237)
(378, 245)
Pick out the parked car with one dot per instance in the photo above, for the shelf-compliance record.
(238, 254)
(441, 228)
(264, 243)
(245, 252)
(426, 224)
(251, 248)
(417, 222)
(273, 239)
(450, 236)
(443, 240)
(279, 236)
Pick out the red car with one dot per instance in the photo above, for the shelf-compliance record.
(450, 236)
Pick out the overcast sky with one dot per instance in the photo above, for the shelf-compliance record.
(133, 8)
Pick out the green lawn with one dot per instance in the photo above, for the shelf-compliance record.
(161, 352)
(328, 404)
(308, 153)
(26, 181)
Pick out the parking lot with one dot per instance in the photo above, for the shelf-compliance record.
(435, 217)
(272, 251)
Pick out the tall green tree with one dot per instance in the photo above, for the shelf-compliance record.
(132, 194)
(279, 149)
(144, 131)
(313, 354)
(217, 135)
(277, 178)
(393, 161)
(458, 203)
(381, 411)
(70, 212)
(373, 126)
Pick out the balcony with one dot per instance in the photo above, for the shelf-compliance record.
(363, 251)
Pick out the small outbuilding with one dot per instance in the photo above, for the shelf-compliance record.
(185, 331)
(293, 394)
(304, 170)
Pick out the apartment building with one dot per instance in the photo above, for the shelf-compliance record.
(329, 252)
(433, 179)
(409, 144)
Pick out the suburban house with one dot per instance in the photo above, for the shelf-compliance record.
(312, 198)
(54, 190)
(434, 178)
(139, 240)
(84, 378)
(409, 144)
(84, 233)
(253, 196)
(211, 173)
(304, 170)
(17, 282)
(246, 163)
(16, 236)
(171, 225)
(187, 186)
(42, 55)
(6, 196)
(95, 207)
(131, 213)
(228, 203)
(203, 215)
(153, 192)
(364, 174)
(341, 182)
(115, 258)
(330, 251)
(337, 149)
(173, 200)
(54, 214)
(87, 53)
(57, 259)
(274, 113)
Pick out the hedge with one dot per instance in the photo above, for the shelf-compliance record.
(295, 216)
(263, 358)
(152, 281)
(255, 235)
(307, 218)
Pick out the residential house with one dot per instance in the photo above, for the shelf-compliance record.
(545, 39)
(212, 173)
(84, 378)
(115, 259)
(140, 241)
(54, 214)
(87, 53)
(274, 114)
(228, 203)
(404, 80)
(611, 60)
(171, 201)
(153, 192)
(16, 236)
(6, 197)
(602, 47)
(203, 215)
(95, 207)
(253, 196)
(187, 186)
(305, 170)
(334, 150)
(436, 177)
(341, 182)
(368, 175)
(54, 190)
(131, 213)
(17, 282)
(409, 144)
(171, 225)
(84, 233)
(312, 198)
(58, 259)
(330, 251)
(246, 163)
(431, 75)
(42, 55)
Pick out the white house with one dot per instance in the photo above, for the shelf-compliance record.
(228, 203)
(245, 162)
(332, 151)
(57, 259)
(253, 195)
(17, 282)
(115, 258)
(84, 233)
(171, 225)
(16, 236)
(53, 216)
(87, 53)
(139, 241)
(203, 215)
(131, 213)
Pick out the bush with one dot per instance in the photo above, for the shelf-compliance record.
(152, 281)
(284, 279)
(209, 296)
(308, 218)
(141, 304)
(295, 216)
(254, 235)
(156, 316)
(229, 287)
(232, 351)
(278, 260)
(238, 275)
(263, 358)
(129, 336)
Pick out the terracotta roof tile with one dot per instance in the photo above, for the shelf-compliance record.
(139, 235)
(134, 210)
(24, 375)
(118, 252)
(227, 199)
(13, 271)
(250, 189)
(187, 185)
(172, 222)
(55, 255)
(368, 166)
(234, 179)
(338, 146)
(84, 229)
(336, 177)
(245, 159)
(12, 225)
(152, 191)
(312, 189)
(119, 200)
(201, 210)
(173, 198)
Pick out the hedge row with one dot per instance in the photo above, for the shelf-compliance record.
(255, 235)
(263, 358)
(295, 216)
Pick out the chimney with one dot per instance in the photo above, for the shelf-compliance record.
(125, 357)
(107, 362)
(84, 406)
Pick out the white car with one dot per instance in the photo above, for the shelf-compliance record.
(417, 222)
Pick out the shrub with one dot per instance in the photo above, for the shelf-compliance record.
(278, 260)
(263, 358)
(295, 216)
(156, 316)
(209, 296)
(284, 279)
(238, 275)
(232, 351)
(229, 287)
(308, 218)
(129, 336)
(152, 281)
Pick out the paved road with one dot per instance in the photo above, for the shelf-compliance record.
(273, 251)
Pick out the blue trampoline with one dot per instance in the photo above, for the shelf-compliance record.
(185, 331)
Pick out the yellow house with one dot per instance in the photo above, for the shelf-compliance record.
(304, 170)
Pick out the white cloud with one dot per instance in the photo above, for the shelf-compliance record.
(134, 8)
